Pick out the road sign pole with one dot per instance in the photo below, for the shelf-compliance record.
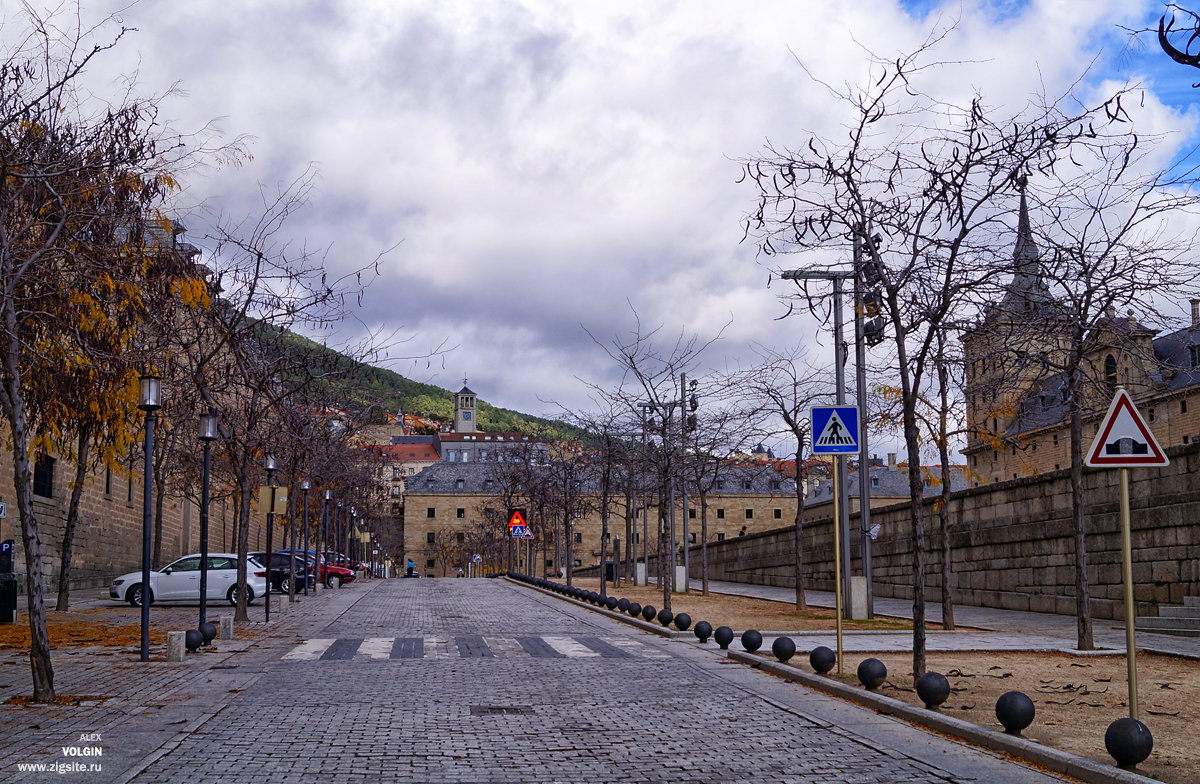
(837, 559)
(1127, 568)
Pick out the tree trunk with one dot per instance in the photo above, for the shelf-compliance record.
(14, 408)
(160, 491)
(1083, 605)
(703, 543)
(68, 541)
(240, 613)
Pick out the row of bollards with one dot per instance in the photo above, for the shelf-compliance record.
(1127, 740)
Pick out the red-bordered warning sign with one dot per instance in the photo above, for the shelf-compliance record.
(516, 517)
(1124, 439)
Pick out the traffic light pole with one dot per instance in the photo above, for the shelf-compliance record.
(864, 464)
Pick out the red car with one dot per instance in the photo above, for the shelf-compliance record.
(333, 576)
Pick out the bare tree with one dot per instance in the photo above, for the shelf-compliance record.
(932, 180)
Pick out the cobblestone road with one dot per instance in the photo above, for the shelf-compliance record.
(487, 681)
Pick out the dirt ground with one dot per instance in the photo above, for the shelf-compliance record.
(1075, 697)
(740, 613)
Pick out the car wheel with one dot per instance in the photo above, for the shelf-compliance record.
(232, 595)
(134, 595)
(285, 586)
(334, 581)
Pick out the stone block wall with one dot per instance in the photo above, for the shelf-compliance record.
(1012, 544)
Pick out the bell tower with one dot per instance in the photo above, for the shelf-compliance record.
(464, 410)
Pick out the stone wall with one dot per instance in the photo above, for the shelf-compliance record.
(1012, 544)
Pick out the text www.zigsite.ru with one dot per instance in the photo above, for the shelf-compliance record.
(58, 767)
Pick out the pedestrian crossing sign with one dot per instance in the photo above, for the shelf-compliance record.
(835, 430)
(517, 527)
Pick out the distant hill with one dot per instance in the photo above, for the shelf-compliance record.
(363, 387)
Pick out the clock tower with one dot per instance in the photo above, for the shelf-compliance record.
(464, 410)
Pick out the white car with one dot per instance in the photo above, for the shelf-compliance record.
(180, 581)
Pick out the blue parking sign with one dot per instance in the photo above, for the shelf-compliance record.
(835, 430)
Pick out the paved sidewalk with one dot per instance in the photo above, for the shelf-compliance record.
(137, 709)
(998, 629)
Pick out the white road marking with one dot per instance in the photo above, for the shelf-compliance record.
(570, 648)
(308, 650)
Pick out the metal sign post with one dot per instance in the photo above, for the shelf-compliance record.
(836, 432)
(1125, 441)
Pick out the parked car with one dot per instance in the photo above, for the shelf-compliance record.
(282, 572)
(333, 576)
(180, 581)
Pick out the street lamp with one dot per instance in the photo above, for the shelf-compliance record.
(305, 486)
(326, 497)
(209, 425)
(270, 464)
(149, 400)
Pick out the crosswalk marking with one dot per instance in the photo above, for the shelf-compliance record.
(376, 647)
(570, 648)
(472, 646)
(308, 650)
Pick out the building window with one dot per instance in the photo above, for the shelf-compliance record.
(746, 484)
(692, 513)
(995, 455)
(1150, 413)
(720, 484)
(1194, 351)
(452, 456)
(108, 482)
(578, 538)
(1183, 406)
(429, 563)
(1057, 467)
(549, 562)
(395, 473)
(412, 472)
(396, 491)
(692, 537)
(460, 513)
(1185, 439)
(720, 536)
(720, 514)
(778, 514)
(459, 484)
(775, 484)
(430, 538)
(431, 513)
(749, 514)
(578, 562)
(460, 537)
(1110, 374)
(43, 475)
(1056, 439)
(395, 509)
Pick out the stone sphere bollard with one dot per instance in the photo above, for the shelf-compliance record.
(683, 621)
(933, 689)
(1128, 742)
(751, 640)
(723, 635)
(635, 609)
(623, 604)
(208, 631)
(783, 648)
(665, 617)
(193, 639)
(872, 673)
(822, 659)
(703, 631)
(648, 612)
(1015, 711)
(611, 602)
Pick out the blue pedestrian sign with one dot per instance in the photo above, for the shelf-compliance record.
(835, 430)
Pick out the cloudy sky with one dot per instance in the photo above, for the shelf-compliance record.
(539, 167)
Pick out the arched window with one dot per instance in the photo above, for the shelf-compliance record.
(1110, 374)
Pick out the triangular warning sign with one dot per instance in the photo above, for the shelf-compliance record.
(1124, 439)
(516, 518)
(835, 433)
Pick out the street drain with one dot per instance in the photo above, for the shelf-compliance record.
(500, 710)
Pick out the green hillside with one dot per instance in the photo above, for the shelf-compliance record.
(362, 387)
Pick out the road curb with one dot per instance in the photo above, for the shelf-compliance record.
(1022, 748)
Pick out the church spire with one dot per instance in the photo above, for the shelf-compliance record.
(1027, 291)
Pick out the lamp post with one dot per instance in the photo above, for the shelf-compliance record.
(149, 400)
(209, 425)
(326, 497)
(270, 464)
(341, 522)
(305, 486)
